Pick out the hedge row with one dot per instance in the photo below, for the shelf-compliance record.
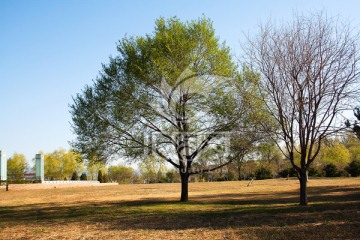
(3, 183)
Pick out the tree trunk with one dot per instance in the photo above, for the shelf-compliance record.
(239, 171)
(184, 187)
(303, 188)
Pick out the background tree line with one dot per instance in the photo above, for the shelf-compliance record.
(339, 157)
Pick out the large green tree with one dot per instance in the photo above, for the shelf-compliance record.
(16, 166)
(170, 94)
(309, 75)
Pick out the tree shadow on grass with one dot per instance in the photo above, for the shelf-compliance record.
(332, 208)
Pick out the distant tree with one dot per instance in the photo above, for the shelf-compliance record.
(263, 173)
(314, 172)
(335, 152)
(170, 176)
(309, 75)
(331, 170)
(61, 164)
(121, 174)
(149, 169)
(83, 177)
(354, 168)
(105, 178)
(93, 169)
(100, 177)
(16, 166)
(75, 176)
(248, 169)
(288, 172)
(355, 126)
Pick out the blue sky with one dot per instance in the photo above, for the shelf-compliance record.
(49, 50)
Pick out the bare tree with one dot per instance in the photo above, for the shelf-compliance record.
(309, 76)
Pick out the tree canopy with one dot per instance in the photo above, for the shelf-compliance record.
(16, 166)
(61, 164)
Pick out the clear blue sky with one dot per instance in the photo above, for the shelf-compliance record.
(49, 50)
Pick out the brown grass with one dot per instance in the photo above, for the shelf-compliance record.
(225, 210)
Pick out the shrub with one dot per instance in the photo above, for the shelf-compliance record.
(263, 173)
(75, 176)
(83, 177)
(342, 173)
(3, 183)
(287, 172)
(354, 168)
(105, 178)
(314, 172)
(331, 170)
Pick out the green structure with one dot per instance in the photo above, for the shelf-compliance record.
(3, 166)
(39, 167)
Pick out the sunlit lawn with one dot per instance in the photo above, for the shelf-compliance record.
(267, 209)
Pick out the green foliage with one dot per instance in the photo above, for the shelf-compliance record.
(75, 176)
(105, 178)
(263, 173)
(83, 177)
(354, 168)
(170, 176)
(173, 94)
(336, 153)
(352, 144)
(61, 164)
(93, 169)
(152, 169)
(121, 174)
(134, 86)
(16, 167)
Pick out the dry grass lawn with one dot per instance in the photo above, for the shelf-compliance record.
(267, 209)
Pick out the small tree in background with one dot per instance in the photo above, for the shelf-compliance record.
(75, 176)
(354, 168)
(121, 174)
(356, 127)
(16, 166)
(83, 177)
(100, 176)
(105, 178)
(314, 172)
